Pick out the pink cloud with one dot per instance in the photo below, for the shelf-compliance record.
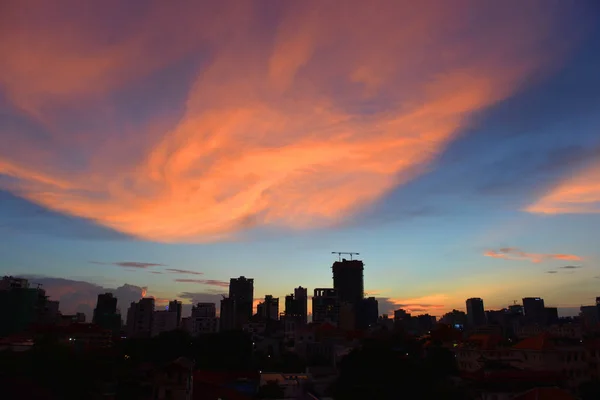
(512, 253)
(273, 129)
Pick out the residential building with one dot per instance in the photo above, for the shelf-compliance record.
(227, 315)
(175, 307)
(366, 312)
(301, 298)
(269, 308)
(204, 319)
(20, 305)
(139, 318)
(533, 308)
(105, 313)
(241, 290)
(296, 305)
(475, 312)
(163, 321)
(326, 306)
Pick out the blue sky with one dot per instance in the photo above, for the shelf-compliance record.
(460, 158)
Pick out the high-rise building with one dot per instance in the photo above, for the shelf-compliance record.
(175, 307)
(301, 298)
(227, 314)
(139, 318)
(367, 312)
(348, 280)
(163, 321)
(326, 306)
(296, 306)
(204, 319)
(20, 305)
(533, 308)
(241, 291)
(475, 312)
(105, 313)
(269, 308)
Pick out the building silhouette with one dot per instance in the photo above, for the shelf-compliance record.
(367, 313)
(20, 305)
(105, 314)
(204, 319)
(296, 305)
(475, 312)
(533, 309)
(269, 308)
(241, 291)
(326, 306)
(175, 307)
(348, 280)
(163, 321)
(139, 318)
(227, 317)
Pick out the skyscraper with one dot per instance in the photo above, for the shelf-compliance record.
(241, 291)
(348, 280)
(475, 312)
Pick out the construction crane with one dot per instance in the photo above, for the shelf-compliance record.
(339, 253)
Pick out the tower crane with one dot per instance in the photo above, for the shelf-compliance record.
(339, 253)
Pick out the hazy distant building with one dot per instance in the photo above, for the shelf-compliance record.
(348, 280)
(163, 321)
(175, 307)
(105, 313)
(326, 306)
(475, 312)
(533, 308)
(139, 318)
(241, 291)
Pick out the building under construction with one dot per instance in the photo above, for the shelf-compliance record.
(348, 280)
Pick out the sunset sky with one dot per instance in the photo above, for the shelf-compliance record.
(164, 147)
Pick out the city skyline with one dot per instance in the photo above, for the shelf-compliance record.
(161, 150)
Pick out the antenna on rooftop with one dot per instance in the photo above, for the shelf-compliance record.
(339, 253)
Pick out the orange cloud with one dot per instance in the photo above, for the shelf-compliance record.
(576, 195)
(432, 304)
(298, 123)
(512, 253)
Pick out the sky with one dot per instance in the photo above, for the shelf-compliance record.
(160, 148)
